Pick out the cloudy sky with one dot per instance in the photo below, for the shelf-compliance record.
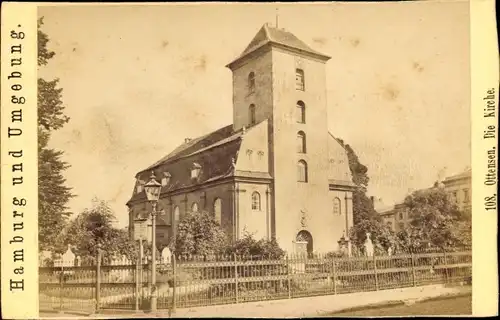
(137, 80)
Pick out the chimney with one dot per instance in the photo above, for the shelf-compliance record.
(372, 198)
(187, 140)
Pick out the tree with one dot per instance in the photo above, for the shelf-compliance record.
(53, 194)
(199, 234)
(365, 217)
(436, 221)
(94, 227)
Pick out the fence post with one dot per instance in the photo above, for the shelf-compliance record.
(236, 277)
(289, 281)
(446, 279)
(98, 281)
(413, 273)
(174, 291)
(375, 271)
(334, 276)
(61, 285)
(137, 278)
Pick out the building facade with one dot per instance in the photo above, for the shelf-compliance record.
(458, 188)
(276, 171)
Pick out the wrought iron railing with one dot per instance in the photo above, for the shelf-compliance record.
(203, 281)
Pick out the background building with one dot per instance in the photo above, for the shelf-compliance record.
(458, 188)
(276, 171)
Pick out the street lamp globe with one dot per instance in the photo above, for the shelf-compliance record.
(152, 189)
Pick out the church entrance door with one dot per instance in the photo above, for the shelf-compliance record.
(305, 236)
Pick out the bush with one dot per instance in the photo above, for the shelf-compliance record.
(249, 247)
(199, 234)
(336, 254)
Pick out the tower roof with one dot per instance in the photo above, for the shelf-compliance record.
(280, 37)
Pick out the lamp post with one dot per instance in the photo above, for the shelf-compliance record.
(152, 189)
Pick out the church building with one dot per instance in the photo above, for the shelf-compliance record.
(276, 171)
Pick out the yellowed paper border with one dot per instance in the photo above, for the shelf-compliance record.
(485, 81)
(24, 304)
(19, 161)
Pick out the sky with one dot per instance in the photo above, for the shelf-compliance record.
(138, 80)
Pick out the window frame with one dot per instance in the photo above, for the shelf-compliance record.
(177, 214)
(301, 136)
(251, 82)
(300, 83)
(252, 114)
(302, 164)
(256, 201)
(218, 218)
(301, 117)
(467, 195)
(337, 202)
(197, 207)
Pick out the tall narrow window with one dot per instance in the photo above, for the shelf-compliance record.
(251, 82)
(301, 112)
(302, 171)
(299, 79)
(466, 195)
(218, 210)
(194, 207)
(251, 115)
(336, 207)
(255, 201)
(301, 142)
(176, 214)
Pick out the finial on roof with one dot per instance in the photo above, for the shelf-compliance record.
(277, 17)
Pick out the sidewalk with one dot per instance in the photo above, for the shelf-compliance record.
(304, 307)
(317, 306)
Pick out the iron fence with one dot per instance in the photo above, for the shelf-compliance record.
(203, 281)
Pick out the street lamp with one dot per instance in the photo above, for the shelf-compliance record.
(152, 189)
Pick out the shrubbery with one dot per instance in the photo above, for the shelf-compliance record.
(249, 247)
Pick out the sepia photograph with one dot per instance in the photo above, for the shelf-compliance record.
(276, 160)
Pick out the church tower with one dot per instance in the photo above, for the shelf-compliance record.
(279, 78)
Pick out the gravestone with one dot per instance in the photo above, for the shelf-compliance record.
(298, 264)
(166, 256)
(368, 245)
(66, 260)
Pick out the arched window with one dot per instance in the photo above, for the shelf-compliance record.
(251, 82)
(176, 214)
(194, 207)
(301, 142)
(336, 207)
(255, 201)
(301, 112)
(251, 114)
(299, 79)
(302, 171)
(218, 210)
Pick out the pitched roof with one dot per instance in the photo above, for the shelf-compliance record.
(215, 153)
(204, 142)
(465, 174)
(268, 34)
